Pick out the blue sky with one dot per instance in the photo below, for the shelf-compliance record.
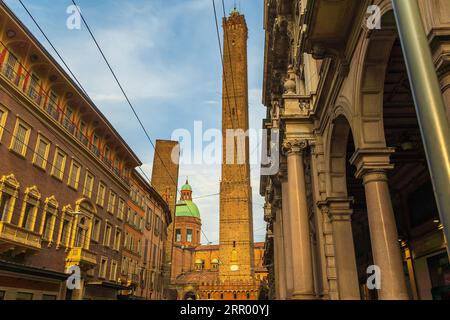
(166, 55)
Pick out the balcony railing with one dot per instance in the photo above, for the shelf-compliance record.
(45, 102)
(96, 151)
(19, 237)
(81, 257)
(53, 111)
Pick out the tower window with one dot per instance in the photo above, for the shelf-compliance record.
(178, 235)
(189, 235)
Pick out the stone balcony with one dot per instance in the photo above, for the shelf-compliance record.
(81, 257)
(18, 240)
(133, 279)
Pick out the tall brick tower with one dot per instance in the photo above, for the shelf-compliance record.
(236, 219)
(165, 181)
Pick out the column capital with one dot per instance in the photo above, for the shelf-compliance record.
(294, 146)
(372, 160)
(337, 208)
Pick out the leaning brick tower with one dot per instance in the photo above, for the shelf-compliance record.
(236, 219)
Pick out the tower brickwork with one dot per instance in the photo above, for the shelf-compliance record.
(236, 221)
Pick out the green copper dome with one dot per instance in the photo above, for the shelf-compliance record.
(186, 208)
(186, 187)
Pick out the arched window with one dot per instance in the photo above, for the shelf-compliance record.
(215, 264)
(199, 264)
(248, 295)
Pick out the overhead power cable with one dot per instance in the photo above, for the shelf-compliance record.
(128, 100)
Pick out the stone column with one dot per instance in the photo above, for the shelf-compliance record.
(302, 271)
(339, 213)
(411, 273)
(371, 166)
(280, 268)
(286, 237)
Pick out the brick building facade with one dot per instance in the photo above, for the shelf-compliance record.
(64, 179)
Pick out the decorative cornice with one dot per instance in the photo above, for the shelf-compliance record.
(52, 202)
(11, 181)
(33, 192)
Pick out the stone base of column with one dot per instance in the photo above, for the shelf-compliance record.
(303, 296)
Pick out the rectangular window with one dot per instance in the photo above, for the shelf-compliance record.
(149, 217)
(101, 194)
(74, 175)
(41, 152)
(117, 238)
(178, 235)
(59, 164)
(10, 72)
(28, 216)
(82, 134)
(24, 296)
(95, 145)
(145, 251)
(19, 141)
(3, 116)
(52, 108)
(49, 224)
(189, 235)
(96, 230)
(5, 203)
(113, 274)
(107, 238)
(125, 265)
(33, 91)
(111, 202)
(121, 209)
(65, 232)
(2, 295)
(48, 297)
(102, 267)
(154, 256)
(88, 185)
(67, 122)
(107, 153)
